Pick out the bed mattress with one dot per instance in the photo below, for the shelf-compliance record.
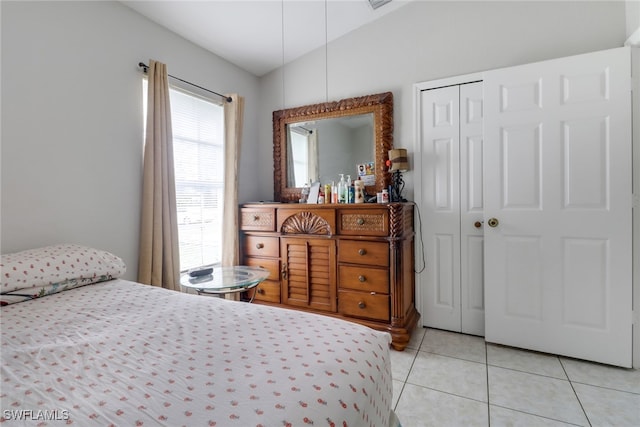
(121, 353)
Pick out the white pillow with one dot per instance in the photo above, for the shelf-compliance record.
(38, 272)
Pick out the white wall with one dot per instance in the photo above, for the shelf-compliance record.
(72, 120)
(427, 40)
(633, 16)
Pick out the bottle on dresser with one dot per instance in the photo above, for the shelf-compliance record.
(334, 193)
(342, 190)
(359, 191)
(351, 191)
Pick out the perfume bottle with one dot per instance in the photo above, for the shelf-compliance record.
(342, 190)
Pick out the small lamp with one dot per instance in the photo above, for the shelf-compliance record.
(399, 164)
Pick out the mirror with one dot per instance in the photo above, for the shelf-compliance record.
(346, 142)
(318, 142)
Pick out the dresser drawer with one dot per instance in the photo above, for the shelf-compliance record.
(372, 222)
(363, 278)
(261, 246)
(257, 219)
(363, 252)
(273, 265)
(268, 291)
(363, 304)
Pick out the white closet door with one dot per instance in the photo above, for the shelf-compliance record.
(558, 181)
(452, 194)
(471, 210)
(440, 139)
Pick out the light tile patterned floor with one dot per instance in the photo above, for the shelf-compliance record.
(448, 379)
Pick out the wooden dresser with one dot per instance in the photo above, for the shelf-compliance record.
(354, 261)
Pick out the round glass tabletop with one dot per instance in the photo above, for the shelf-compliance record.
(226, 279)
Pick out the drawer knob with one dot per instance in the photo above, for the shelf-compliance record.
(362, 278)
(360, 221)
(260, 291)
(260, 245)
(362, 251)
(361, 304)
(256, 217)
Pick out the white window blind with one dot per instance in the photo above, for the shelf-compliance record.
(198, 150)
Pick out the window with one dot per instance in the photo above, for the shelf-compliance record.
(304, 155)
(198, 150)
(300, 155)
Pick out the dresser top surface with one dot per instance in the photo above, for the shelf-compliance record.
(321, 206)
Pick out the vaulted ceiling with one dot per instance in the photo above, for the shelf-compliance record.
(260, 35)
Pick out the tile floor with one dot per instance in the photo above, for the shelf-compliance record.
(449, 379)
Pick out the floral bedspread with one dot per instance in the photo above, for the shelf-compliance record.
(124, 354)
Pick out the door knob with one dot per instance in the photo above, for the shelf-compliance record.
(493, 222)
(478, 224)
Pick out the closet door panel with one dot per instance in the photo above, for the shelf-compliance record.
(471, 209)
(520, 163)
(453, 164)
(471, 173)
(440, 142)
(558, 261)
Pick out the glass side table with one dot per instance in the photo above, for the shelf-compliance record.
(226, 280)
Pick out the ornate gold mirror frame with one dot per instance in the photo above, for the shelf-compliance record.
(381, 105)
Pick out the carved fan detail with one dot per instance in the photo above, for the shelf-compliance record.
(305, 223)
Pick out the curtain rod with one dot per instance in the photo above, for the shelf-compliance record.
(226, 98)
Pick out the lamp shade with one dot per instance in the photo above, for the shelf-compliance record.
(399, 161)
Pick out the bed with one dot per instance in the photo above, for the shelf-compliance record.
(82, 346)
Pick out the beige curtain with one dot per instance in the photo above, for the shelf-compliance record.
(314, 171)
(233, 120)
(159, 262)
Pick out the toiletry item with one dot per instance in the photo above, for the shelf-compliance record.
(351, 195)
(385, 196)
(342, 190)
(334, 192)
(305, 193)
(359, 190)
(327, 193)
(379, 197)
(349, 190)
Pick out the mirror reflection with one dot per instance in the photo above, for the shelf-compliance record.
(320, 150)
(318, 142)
